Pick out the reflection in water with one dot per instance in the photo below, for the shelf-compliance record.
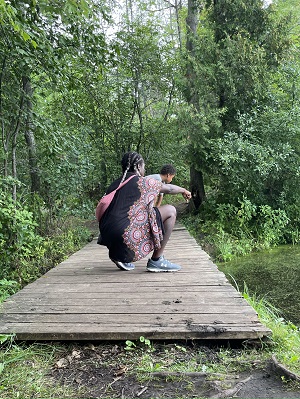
(273, 275)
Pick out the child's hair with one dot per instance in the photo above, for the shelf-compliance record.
(130, 162)
(168, 170)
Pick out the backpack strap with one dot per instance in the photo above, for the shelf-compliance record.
(124, 182)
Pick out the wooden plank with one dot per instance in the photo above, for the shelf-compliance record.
(119, 286)
(200, 294)
(108, 290)
(125, 308)
(126, 304)
(204, 280)
(120, 318)
(31, 331)
(120, 290)
(205, 264)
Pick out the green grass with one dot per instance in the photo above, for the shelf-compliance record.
(24, 371)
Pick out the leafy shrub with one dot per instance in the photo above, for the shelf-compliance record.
(18, 238)
(7, 288)
(271, 225)
(235, 230)
(25, 255)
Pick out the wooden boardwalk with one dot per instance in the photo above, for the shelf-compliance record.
(87, 297)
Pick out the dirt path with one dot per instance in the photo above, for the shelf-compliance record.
(107, 371)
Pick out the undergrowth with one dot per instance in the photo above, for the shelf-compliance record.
(227, 231)
(50, 252)
(285, 339)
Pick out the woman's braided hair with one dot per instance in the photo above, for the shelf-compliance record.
(130, 163)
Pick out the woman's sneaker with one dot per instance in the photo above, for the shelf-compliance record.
(162, 265)
(123, 265)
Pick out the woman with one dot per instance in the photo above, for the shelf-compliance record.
(132, 227)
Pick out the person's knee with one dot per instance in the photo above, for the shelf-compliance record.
(173, 211)
(168, 211)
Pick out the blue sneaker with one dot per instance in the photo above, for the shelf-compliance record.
(123, 265)
(162, 265)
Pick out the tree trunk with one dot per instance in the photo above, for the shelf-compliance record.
(5, 139)
(196, 177)
(178, 7)
(14, 139)
(197, 187)
(30, 139)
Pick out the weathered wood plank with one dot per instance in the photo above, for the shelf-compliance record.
(106, 269)
(31, 331)
(120, 318)
(192, 295)
(204, 279)
(119, 286)
(126, 294)
(126, 308)
(191, 299)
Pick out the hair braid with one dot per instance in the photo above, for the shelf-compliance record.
(125, 164)
(130, 162)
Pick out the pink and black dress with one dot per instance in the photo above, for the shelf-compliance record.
(131, 227)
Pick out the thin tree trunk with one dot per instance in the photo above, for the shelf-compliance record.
(4, 138)
(14, 139)
(30, 139)
(178, 7)
(196, 177)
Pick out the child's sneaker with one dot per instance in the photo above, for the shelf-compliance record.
(162, 265)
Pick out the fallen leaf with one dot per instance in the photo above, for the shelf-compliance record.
(121, 370)
(62, 363)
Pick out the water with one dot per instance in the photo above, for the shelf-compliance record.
(273, 275)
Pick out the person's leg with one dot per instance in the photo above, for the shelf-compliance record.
(168, 216)
(158, 263)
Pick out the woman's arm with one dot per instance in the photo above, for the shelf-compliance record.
(173, 189)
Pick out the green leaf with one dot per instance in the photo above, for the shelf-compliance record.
(25, 35)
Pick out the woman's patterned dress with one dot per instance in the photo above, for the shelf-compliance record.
(132, 227)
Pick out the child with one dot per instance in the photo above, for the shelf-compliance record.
(166, 175)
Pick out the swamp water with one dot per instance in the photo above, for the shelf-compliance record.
(273, 275)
